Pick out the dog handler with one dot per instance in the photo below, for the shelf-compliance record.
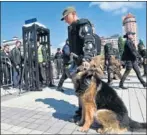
(82, 42)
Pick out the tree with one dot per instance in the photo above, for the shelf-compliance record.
(141, 42)
(121, 44)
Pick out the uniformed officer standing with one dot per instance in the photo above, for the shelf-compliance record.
(66, 63)
(130, 56)
(117, 56)
(58, 61)
(143, 53)
(16, 59)
(108, 50)
(42, 61)
(81, 42)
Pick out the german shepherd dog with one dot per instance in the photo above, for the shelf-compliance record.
(101, 102)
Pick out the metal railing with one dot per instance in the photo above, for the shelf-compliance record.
(6, 73)
(6, 69)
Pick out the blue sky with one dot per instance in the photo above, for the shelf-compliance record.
(106, 16)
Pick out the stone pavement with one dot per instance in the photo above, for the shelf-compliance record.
(49, 111)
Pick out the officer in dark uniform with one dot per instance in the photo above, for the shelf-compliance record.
(117, 56)
(81, 42)
(16, 59)
(58, 61)
(108, 49)
(66, 63)
(116, 53)
(130, 56)
(143, 53)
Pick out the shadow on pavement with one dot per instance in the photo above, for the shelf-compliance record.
(69, 91)
(64, 110)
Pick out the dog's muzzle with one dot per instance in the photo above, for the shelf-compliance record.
(83, 86)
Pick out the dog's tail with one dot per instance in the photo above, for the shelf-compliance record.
(137, 126)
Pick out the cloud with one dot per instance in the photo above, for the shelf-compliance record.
(117, 7)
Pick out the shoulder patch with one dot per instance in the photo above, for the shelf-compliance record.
(86, 29)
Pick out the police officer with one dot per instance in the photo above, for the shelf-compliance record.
(130, 56)
(108, 50)
(16, 59)
(117, 56)
(58, 61)
(66, 63)
(143, 53)
(42, 60)
(81, 42)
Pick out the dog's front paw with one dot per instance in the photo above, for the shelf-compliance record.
(83, 129)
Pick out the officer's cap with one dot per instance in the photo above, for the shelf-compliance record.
(67, 11)
(129, 33)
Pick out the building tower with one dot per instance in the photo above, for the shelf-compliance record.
(130, 24)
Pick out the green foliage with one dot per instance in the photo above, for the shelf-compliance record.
(141, 42)
(140, 46)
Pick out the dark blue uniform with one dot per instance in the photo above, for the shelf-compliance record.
(81, 39)
(130, 56)
(82, 43)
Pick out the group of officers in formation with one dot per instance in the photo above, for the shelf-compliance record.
(82, 42)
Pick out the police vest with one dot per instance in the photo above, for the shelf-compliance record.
(75, 42)
(40, 55)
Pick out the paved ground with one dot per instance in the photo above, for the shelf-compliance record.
(49, 111)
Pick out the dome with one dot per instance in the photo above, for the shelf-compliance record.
(129, 15)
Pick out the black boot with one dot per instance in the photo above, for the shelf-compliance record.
(79, 111)
(77, 116)
(122, 87)
(52, 85)
(145, 75)
(60, 89)
(124, 78)
(145, 85)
